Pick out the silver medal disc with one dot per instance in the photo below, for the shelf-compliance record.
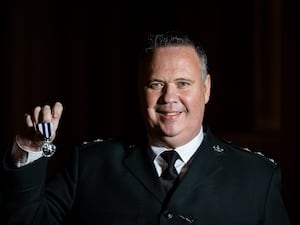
(48, 148)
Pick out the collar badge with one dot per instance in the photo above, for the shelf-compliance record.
(217, 148)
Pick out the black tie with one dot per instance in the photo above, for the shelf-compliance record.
(169, 175)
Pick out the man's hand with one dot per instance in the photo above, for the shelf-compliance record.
(30, 138)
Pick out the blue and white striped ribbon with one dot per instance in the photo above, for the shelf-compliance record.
(46, 129)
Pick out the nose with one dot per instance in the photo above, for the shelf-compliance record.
(169, 94)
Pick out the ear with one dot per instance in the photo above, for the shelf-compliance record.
(207, 85)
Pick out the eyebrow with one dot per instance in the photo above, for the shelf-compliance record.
(184, 79)
(177, 79)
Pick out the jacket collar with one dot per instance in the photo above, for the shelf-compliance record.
(205, 165)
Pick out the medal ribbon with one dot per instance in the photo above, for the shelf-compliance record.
(45, 129)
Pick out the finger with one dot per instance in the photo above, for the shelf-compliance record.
(56, 114)
(46, 115)
(28, 120)
(28, 131)
(57, 110)
(36, 115)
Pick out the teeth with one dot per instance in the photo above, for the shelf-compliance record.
(171, 113)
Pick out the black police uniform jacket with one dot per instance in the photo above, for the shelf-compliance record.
(110, 182)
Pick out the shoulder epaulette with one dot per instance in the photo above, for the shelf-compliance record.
(257, 153)
(260, 154)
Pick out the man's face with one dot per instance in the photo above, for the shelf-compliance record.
(174, 96)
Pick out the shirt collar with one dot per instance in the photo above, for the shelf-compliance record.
(185, 151)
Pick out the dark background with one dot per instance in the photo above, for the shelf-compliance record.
(83, 53)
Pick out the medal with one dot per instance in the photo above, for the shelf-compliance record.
(46, 130)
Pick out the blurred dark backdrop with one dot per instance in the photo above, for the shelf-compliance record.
(83, 53)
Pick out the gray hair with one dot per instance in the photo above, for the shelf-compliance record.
(172, 38)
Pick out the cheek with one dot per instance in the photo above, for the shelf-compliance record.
(194, 103)
(150, 99)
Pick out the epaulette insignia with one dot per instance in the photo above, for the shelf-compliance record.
(132, 146)
(270, 159)
(246, 149)
(260, 154)
(96, 140)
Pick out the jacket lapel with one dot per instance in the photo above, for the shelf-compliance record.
(206, 165)
(140, 165)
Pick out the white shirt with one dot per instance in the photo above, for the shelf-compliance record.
(185, 152)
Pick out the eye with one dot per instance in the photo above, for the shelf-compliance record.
(183, 84)
(156, 85)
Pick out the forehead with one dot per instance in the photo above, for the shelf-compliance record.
(170, 62)
(174, 60)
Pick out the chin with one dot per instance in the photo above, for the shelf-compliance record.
(171, 133)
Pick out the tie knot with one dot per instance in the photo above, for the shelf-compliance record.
(169, 175)
(170, 157)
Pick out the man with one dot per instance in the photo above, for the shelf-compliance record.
(208, 182)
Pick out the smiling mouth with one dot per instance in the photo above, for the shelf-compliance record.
(170, 113)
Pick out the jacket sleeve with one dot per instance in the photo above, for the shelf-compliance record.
(30, 198)
(275, 210)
